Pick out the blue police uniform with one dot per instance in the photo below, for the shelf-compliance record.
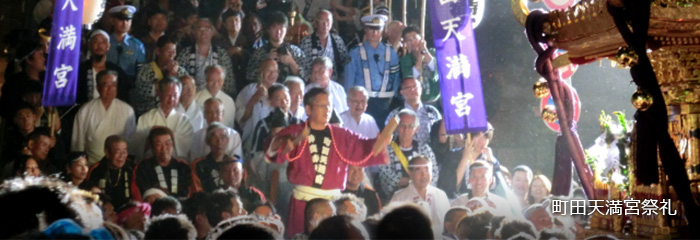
(128, 54)
(375, 65)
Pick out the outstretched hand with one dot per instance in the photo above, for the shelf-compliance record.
(384, 138)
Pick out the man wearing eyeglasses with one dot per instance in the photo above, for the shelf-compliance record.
(196, 58)
(411, 90)
(125, 50)
(395, 176)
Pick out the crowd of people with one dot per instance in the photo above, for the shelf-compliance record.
(224, 119)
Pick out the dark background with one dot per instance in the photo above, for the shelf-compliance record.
(506, 62)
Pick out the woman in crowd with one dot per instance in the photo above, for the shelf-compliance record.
(27, 166)
(540, 189)
(77, 170)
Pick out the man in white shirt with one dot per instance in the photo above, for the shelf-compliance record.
(355, 117)
(215, 81)
(252, 103)
(187, 104)
(480, 179)
(102, 117)
(214, 112)
(296, 88)
(420, 192)
(164, 115)
(322, 70)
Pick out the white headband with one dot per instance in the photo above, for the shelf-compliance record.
(99, 32)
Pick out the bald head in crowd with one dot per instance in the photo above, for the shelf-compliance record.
(268, 72)
(188, 90)
(213, 110)
(317, 210)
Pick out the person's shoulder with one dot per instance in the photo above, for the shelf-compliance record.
(367, 117)
(232, 132)
(401, 194)
(355, 49)
(121, 104)
(135, 40)
(336, 86)
(430, 108)
(369, 189)
(89, 105)
(306, 42)
(149, 114)
(143, 69)
(292, 129)
(496, 198)
(438, 191)
(180, 163)
(220, 50)
(336, 37)
(198, 160)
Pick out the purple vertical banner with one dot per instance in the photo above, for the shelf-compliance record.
(60, 84)
(458, 66)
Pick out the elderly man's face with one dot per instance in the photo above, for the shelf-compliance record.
(108, 88)
(188, 90)
(296, 94)
(411, 89)
(117, 154)
(215, 80)
(323, 22)
(213, 112)
(320, 75)
(480, 179)
(163, 147)
(357, 101)
(407, 128)
(99, 45)
(204, 31)
(169, 96)
(421, 175)
(269, 73)
(232, 174)
(218, 140)
(355, 175)
(280, 99)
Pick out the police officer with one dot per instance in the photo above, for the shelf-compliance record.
(125, 50)
(375, 66)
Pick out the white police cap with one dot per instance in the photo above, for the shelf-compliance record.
(374, 20)
(123, 11)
